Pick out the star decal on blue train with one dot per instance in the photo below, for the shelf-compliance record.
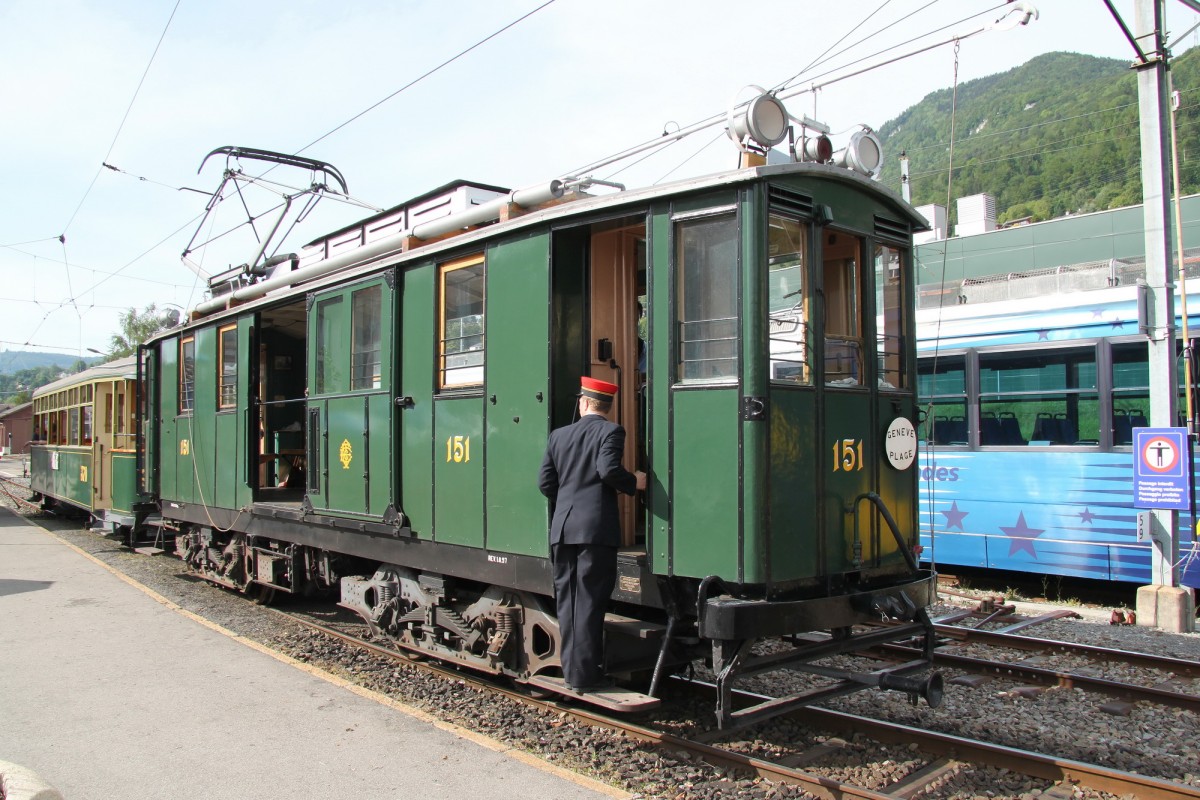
(1043, 334)
(1118, 323)
(954, 517)
(1086, 516)
(1022, 536)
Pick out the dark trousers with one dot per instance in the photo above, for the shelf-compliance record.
(584, 577)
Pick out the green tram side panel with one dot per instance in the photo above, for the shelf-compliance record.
(356, 425)
(458, 470)
(198, 465)
(168, 420)
(63, 473)
(792, 547)
(227, 449)
(704, 482)
(414, 461)
(517, 377)
(658, 400)
(124, 481)
(359, 458)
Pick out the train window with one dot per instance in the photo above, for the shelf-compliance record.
(187, 374)
(707, 298)
(1039, 398)
(85, 424)
(1131, 391)
(329, 358)
(942, 386)
(73, 425)
(463, 326)
(843, 309)
(889, 317)
(227, 358)
(366, 322)
(787, 298)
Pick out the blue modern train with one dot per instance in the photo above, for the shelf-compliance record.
(1032, 386)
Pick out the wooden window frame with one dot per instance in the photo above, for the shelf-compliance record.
(445, 269)
(184, 395)
(221, 376)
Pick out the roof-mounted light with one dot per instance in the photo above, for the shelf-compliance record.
(864, 154)
(764, 120)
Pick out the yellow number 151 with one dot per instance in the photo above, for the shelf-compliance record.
(458, 449)
(847, 455)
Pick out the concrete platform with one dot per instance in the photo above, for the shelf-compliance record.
(106, 693)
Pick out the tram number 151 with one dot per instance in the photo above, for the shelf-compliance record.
(847, 455)
(458, 449)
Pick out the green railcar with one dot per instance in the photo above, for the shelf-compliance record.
(371, 418)
(84, 451)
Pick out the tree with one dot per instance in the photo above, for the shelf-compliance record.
(135, 329)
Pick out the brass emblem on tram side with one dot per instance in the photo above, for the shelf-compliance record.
(83, 473)
(184, 448)
(345, 454)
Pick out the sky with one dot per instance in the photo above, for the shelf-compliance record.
(150, 87)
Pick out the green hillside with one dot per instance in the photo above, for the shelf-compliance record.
(1057, 135)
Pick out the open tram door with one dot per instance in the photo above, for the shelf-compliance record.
(599, 329)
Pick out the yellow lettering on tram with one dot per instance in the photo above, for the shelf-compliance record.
(345, 454)
(458, 449)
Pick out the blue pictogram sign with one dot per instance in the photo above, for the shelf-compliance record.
(1160, 468)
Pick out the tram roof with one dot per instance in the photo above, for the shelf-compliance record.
(118, 368)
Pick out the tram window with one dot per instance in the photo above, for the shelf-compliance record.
(73, 425)
(707, 298)
(85, 424)
(942, 386)
(1039, 398)
(889, 317)
(843, 310)
(329, 375)
(366, 322)
(787, 312)
(227, 385)
(187, 375)
(463, 325)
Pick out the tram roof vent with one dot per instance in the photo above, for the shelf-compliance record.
(444, 201)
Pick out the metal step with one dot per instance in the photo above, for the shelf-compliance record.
(614, 699)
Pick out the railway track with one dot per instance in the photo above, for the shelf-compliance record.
(943, 754)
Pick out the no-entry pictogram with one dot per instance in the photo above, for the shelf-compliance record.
(1161, 468)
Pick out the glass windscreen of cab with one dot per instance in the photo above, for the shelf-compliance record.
(787, 301)
(843, 309)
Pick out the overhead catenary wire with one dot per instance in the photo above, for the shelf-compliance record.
(117, 135)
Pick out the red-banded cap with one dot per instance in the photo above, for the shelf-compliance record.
(596, 388)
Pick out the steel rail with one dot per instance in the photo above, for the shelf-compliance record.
(1045, 676)
(1177, 666)
(1024, 762)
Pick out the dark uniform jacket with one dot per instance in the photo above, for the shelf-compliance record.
(581, 474)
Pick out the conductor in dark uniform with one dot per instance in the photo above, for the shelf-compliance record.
(581, 474)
